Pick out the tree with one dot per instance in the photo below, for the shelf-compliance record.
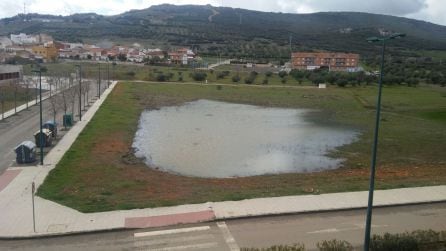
(54, 99)
(122, 57)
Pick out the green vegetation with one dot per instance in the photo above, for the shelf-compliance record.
(420, 240)
(295, 247)
(100, 173)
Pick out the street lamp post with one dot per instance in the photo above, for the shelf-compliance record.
(375, 139)
(41, 125)
(80, 91)
(99, 81)
(108, 74)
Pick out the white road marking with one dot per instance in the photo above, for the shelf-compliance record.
(193, 247)
(228, 236)
(323, 231)
(335, 230)
(172, 231)
(146, 242)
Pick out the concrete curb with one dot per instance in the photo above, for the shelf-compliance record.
(122, 229)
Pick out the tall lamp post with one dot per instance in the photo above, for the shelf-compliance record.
(108, 73)
(39, 71)
(99, 81)
(381, 40)
(80, 91)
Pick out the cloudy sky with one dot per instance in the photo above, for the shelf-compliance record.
(427, 10)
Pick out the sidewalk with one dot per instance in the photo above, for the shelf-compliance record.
(54, 219)
(22, 107)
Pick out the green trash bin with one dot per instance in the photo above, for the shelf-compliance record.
(68, 120)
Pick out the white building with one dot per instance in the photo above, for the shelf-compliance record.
(4, 42)
(22, 38)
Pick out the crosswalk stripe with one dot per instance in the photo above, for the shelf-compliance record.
(195, 238)
(193, 247)
(172, 231)
(228, 236)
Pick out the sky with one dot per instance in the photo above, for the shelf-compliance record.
(427, 10)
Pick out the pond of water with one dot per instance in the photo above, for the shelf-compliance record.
(217, 139)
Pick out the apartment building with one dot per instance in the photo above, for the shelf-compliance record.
(334, 61)
(10, 73)
(48, 52)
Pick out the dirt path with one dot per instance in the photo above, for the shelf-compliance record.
(215, 13)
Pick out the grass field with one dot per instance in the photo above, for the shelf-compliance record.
(100, 173)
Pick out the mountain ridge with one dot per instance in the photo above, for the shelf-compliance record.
(235, 31)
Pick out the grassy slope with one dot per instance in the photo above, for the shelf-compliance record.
(98, 174)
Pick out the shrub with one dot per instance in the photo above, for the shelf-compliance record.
(236, 78)
(295, 247)
(249, 80)
(161, 77)
(198, 76)
(268, 74)
(334, 245)
(283, 74)
(222, 74)
(394, 242)
(265, 81)
(130, 73)
(283, 80)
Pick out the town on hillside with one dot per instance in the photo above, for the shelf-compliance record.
(43, 48)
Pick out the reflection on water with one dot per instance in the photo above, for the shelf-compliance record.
(216, 139)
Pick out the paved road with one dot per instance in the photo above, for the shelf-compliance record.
(254, 232)
(22, 126)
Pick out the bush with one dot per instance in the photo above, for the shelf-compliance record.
(130, 73)
(295, 247)
(198, 76)
(334, 245)
(222, 74)
(161, 77)
(249, 80)
(283, 80)
(394, 242)
(268, 74)
(283, 74)
(265, 81)
(236, 79)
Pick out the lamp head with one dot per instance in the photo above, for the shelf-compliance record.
(373, 39)
(397, 35)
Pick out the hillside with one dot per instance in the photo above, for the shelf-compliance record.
(230, 32)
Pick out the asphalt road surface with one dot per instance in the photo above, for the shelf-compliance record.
(254, 232)
(24, 124)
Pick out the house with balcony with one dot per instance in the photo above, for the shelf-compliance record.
(348, 62)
